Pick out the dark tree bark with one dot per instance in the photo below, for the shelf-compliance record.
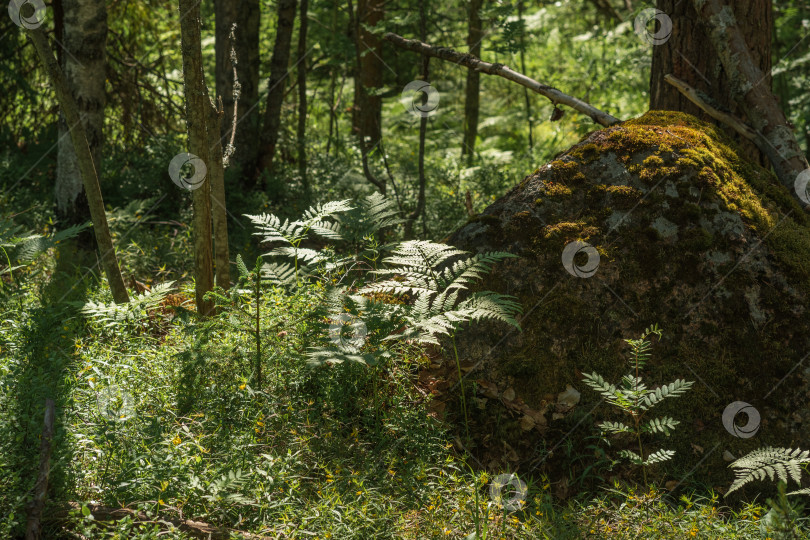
(471, 99)
(367, 110)
(302, 100)
(197, 104)
(83, 25)
(246, 15)
(275, 85)
(690, 56)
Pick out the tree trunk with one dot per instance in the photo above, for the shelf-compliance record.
(246, 15)
(86, 167)
(474, 37)
(275, 84)
(689, 55)
(775, 135)
(197, 104)
(425, 76)
(302, 100)
(216, 174)
(523, 69)
(84, 38)
(367, 110)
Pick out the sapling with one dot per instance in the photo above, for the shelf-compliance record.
(635, 399)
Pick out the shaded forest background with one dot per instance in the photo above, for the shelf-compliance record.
(576, 46)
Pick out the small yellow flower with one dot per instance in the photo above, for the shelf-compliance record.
(242, 386)
(177, 440)
(359, 493)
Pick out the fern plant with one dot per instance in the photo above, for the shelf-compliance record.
(19, 247)
(337, 221)
(435, 276)
(135, 313)
(770, 463)
(634, 399)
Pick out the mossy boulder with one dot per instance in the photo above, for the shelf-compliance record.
(683, 232)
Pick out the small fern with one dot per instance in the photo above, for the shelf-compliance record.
(770, 463)
(134, 312)
(426, 271)
(19, 247)
(435, 275)
(635, 399)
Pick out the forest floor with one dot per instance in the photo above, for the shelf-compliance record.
(162, 413)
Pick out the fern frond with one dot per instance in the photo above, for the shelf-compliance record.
(422, 254)
(600, 385)
(305, 255)
(659, 456)
(660, 425)
(769, 462)
(332, 355)
(279, 273)
(631, 456)
(673, 389)
(240, 265)
(470, 270)
(272, 229)
(615, 427)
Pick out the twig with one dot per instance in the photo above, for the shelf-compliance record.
(470, 61)
(32, 531)
(195, 529)
(692, 95)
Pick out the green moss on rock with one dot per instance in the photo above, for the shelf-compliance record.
(690, 235)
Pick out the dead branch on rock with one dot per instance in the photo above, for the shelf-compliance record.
(692, 95)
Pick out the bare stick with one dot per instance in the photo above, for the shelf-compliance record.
(470, 61)
(237, 93)
(692, 95)
(32, 531)
(86, 167)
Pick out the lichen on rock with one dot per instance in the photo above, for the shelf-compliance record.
(689, 235)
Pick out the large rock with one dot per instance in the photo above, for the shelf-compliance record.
(681, 231)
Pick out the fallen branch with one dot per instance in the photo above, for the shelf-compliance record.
(755, 98)
(733, 122)
(195, 529)
(32, 531)
(470, 61)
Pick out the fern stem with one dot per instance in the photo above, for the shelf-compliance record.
(258, 336)
(461, 382)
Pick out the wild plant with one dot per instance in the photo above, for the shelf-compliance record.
(633, 398)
